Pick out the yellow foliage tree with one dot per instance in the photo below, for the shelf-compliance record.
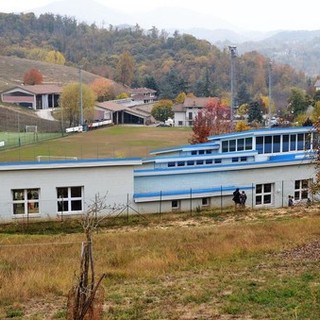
(70, 103)
(180, 97)
(55, 57)
(242, 126)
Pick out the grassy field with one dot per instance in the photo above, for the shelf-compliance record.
(244, 265)
(116, 141)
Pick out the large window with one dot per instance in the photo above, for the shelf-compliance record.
(263, 194)
(301, 188)
(25, 201)
(70, 199)
(237, 145)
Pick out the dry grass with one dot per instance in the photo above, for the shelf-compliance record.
(189, 267)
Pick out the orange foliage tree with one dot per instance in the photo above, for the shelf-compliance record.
(104, 89)
(214, 118)
(32, 77)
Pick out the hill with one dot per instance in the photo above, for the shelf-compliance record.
(12, 70)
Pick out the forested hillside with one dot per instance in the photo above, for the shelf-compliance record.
(135, 57)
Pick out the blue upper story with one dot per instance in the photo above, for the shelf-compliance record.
(254, 146)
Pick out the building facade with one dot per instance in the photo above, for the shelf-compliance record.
(268, 164)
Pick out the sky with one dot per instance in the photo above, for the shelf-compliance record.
(246, 14)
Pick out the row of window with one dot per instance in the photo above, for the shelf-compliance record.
(203, 162)
(237, 145)
(270, 144)
(26, 201)
(263, 194)
(70, 199)
(283, 143)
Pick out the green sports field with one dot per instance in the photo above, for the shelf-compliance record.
(110, 142)
(17, 139)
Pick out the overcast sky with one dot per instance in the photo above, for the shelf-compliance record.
(247, 14)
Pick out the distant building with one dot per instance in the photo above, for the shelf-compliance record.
(185, 113)
(317, 85)
(143, 95)
(36, 97)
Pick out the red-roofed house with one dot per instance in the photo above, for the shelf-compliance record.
(185, 113)
(121, 114)
(40, 96)
(144, 95)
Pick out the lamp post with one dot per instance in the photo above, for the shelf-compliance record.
(81, 100)
(270, 86)
(233, 53)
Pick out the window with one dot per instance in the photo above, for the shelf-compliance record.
(300, 141)
(190, 163)
(248, 143)
(201, 151)
(190, 116)
(267, 144)
(180, 123)
(175, 204)
(209, 161)
(243, 159)
(70, 199)
(181, 163)
(285, 143)
(263, 194)
(225, 147)
(232, 145)
(240, 144)
(276, 143)
(171, 164)
(217, 160)
(293, 138)
(199, 161)
(301, 188)
(205, 202)
(235, 159)
(193, 152)
(25, 201)
(259, 144)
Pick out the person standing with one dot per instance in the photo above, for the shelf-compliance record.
(236, 197)
(243, 199)
(290, 201)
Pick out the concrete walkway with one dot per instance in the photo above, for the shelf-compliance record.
(45, 114)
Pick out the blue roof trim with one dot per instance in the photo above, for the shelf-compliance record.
(186, 147)
(81, 161)
(201, 156)
(189, 191)
(272, 159)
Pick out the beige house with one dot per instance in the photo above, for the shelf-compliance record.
(36, 97)
(185, 113)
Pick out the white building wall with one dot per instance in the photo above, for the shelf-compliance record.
(116, 183)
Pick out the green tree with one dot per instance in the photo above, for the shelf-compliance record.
(298, 101)
(255, 111)
(70, 103)
(162, 110)
(125, 69)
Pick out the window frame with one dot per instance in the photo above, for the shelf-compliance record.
(69, 200)
(30, 200)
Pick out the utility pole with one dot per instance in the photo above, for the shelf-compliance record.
(233, 53)
(81, 100)
(270, 86)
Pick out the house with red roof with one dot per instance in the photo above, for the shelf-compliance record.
(37, 97)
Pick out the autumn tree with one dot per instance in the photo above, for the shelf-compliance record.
(214, 118)
(162, 110)
(71, 104)
(125, 68)
(103, 89)
(298, 101)
(180, 98)
(55, 57)
(32, 77)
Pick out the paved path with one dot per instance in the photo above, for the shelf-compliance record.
(45, 114)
